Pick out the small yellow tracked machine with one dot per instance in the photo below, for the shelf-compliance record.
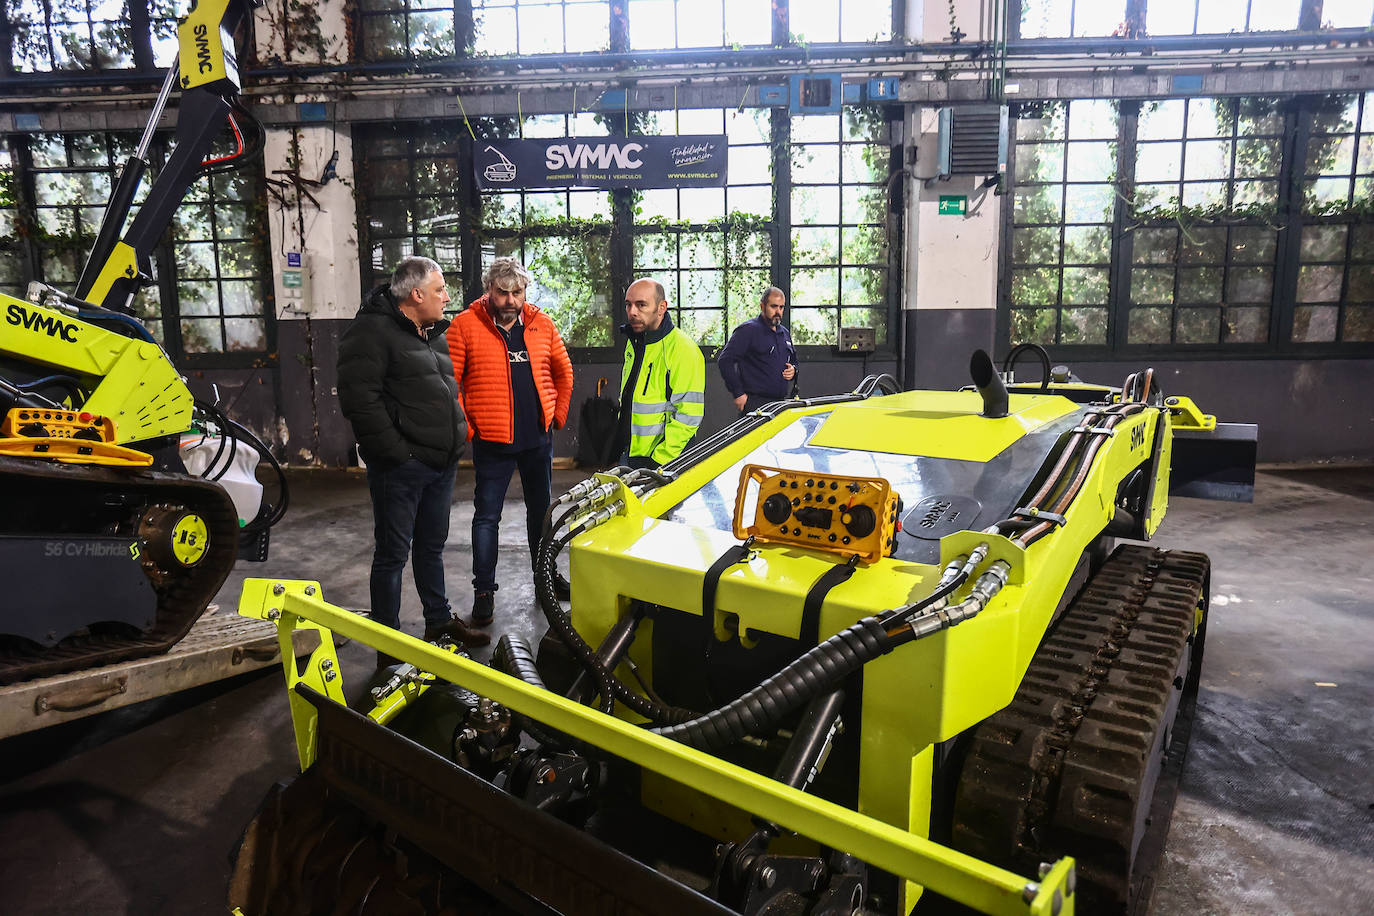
(867, 653)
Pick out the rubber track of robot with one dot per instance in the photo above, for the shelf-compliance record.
(1059, 770)
(27, 486)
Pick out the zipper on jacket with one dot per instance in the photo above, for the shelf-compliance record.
(647, 375)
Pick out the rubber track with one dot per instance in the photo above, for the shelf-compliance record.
(1060, 770)
(181, 599)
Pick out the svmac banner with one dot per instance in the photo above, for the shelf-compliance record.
(696, 161)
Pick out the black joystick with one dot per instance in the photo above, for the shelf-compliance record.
(777, 508)
(858, 521)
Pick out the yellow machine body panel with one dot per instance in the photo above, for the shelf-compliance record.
(133, 383)
(940, 424)
(932, 689)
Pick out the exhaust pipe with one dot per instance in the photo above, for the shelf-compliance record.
(989, 384)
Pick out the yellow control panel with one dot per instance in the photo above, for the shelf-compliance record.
(36, 423)
(68, 436)
(830, 512)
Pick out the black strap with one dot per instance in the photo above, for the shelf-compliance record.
(736, 554)
(810, 633)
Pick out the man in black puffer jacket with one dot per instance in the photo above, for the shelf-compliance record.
(396, 387)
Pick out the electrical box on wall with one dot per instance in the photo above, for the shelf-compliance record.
(816, 94)
(294, 285)
(972, 141)
(857, 340)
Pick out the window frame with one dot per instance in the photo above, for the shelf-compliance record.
(28, 246)
(1289, 221)
(623, 229)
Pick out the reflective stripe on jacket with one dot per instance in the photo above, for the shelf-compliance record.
(668, 398)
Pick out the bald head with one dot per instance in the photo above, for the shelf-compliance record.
(645, 305)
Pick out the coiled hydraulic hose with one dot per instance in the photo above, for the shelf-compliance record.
(826, 666)
(608, 686)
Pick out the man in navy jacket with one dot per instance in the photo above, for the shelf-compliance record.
(759, 364)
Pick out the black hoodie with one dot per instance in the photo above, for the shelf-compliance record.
(397, 388)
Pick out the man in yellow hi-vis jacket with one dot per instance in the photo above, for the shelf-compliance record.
(662, 384)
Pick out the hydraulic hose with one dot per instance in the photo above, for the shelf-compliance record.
(608, 686)
(819, 671)
(513, 656)
(1009, 364)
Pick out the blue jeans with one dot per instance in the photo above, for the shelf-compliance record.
(410, 509)
(494, 467)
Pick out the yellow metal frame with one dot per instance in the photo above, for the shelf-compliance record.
(295, 604)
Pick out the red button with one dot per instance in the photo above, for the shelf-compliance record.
(85, 417)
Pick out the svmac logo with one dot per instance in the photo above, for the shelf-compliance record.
(201, 35)
(598, 155)
(19, 316)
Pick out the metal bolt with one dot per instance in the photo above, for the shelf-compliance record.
(1029, 891)
(330, 675)
(273, 614)
(278, 588)
(310, 589)
(1045, 868)
(768, 876)
(328, 663)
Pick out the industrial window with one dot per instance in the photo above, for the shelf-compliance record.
(1347, 14)
(699, 23)
(419, 29)
(412, 180)
(69, 35)
(710, 247)
(1088, 19)
(561, 235)
(221, 267)
(1335, 284)
(11, 259)
(427, 29)
(540, 26)
(816, 21)
(71, 178)
(1071, 18)
(1202, 17)
(1205, 204)
(1062, 207)
(210, 295)
(1210, 241)
(714, 249)
(839, 177)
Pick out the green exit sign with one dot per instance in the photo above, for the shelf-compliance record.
(953, 204)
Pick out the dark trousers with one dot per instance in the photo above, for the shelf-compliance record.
(410, 511)
(494, 466)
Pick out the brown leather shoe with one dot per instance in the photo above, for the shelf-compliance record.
(457, 631)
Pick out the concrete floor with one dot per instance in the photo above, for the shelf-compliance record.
(137, 810)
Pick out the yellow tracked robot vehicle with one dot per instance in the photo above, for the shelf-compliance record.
(109, 549)
(872, 652)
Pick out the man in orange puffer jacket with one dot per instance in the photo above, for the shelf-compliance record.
(516, 382)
